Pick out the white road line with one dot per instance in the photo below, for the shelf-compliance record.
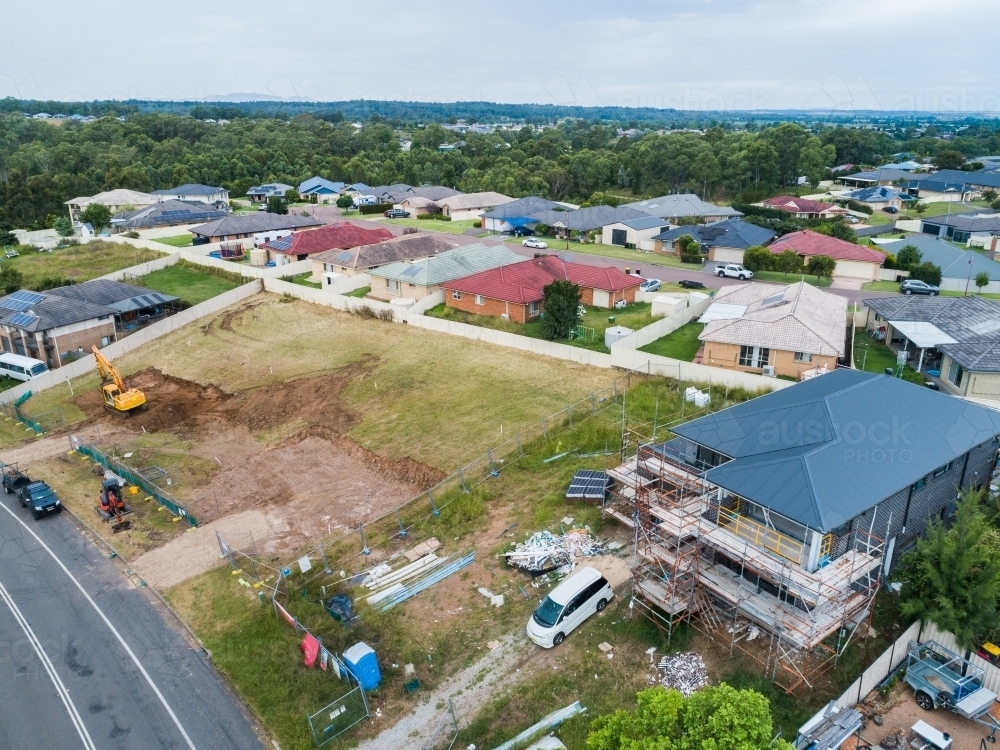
(107, 622)
(74, 715)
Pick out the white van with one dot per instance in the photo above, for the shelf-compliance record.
(570, 603)
(21, 368)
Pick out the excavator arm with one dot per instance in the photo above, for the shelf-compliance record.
(107, 370)
(119, 397)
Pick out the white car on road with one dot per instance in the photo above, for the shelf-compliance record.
(535, 243)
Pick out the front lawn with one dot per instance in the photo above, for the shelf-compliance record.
(639, 257)
(598, 319)
(682, 344)
(432, 225)
(191, 284)
(180, 240)
(873, 356)
(777, 277)
(77, 263)
(893, 286)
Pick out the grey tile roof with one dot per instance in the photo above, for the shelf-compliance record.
(253, 223)
(167, 213)
(984, 222)
(807, 451)
(53, 311)
(449, 265)
(680, 205)
(315, 183)
(270, 189)
(592, 217)
(734, 233)
(522, 208)
(189, 188)
(407, 247)
(109, 293)
(954, 262)
(877, 194)
(985, 178)
(882, 175)
(645, 222)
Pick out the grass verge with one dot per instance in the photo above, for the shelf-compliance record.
(180, 240)
(777, 277)
(189, 282)
(78, 263)
(639, 257)
(682, 344)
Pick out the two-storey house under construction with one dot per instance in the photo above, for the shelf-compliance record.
(773, 523)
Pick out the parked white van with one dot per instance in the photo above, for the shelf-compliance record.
(568, 605)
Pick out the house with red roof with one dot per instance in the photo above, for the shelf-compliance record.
(340, 236)
(803, 208)
(514, 292)
(853, 261)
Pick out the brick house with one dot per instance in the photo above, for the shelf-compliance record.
(514, 292)
(853, 261)
(339, 236)
(803, 208)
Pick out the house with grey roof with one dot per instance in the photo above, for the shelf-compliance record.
(324, 189)
(521, 213)
(883, 176)
(722, 241)
(246, 226)
(787, 512)
(168, 213)
(878, 197)
(59, 325)
(954, 338)
(330, 264)
(684, 205)
(959, 268)
(637, 231)
(962, 227)
(415, 279)
(195, 193)
(260, 193)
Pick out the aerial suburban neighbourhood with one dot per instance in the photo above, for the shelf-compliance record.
(557, 378)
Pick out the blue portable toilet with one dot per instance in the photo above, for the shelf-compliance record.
(363, 663)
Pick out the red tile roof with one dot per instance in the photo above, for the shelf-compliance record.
(522, 283)
(808, 242)
(799, 205)
(339, 236)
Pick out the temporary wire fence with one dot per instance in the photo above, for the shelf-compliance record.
(37, 423)
(446, 731)
(134, 477)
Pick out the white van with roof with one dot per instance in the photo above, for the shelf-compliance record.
(568, 605)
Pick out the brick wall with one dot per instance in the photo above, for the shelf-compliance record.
(728, 356)
(490, 306)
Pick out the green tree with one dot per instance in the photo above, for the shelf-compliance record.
(982, 279)
(909, 256)
(706, 172)
(10, 279)
(788, 262)
(63, 226)
(757, 258)
(345, 201)
(821, 266)
(720, 718)
(927, 272)
(277, 205)
(952, 578)
(7, 237)
(291, 195)
(920, 207)
(989, 195)
(687, 245)
(949, 159)
(97, 215)
(561, 305)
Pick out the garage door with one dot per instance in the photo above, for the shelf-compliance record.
(619, 237)
(601, 298)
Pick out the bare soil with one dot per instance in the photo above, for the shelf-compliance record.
(282, 451)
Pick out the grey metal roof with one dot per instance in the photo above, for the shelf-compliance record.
(954, 262)
(190, 188)
(253, 223)
(881, 175)
(828, 449)
(449, 265)
(728, 233)
(645, 222)
(680, 205)
(168, 213)
(522, 208)
(51, 312)
(591, 217)
(877, 194)
(114, 294)
(271, 188)
(966, 222)
(315, 183)
(986, 178)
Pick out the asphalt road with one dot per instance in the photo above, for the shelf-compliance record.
(87, 660)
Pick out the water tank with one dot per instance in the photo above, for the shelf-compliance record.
(614, 333)
(258, 257)
(363, 663)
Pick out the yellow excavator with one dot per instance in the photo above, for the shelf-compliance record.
(118, 397)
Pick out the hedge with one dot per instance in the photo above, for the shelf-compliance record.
(767, 213)
(433, 217)
(691, 258)
(375, 208)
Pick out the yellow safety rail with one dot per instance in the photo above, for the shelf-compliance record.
(761, 536)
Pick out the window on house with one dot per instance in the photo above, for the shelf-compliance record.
(105, 341)
(533, 309)
(919, 484)
(754, 356)
(803, 357)
(942, 470)
(455, 294)
(479, 299)
(392, 284)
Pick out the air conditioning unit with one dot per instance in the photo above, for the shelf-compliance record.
(620, 304)
(504, 316)
(768, 371)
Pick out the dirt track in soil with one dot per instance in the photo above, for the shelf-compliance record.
(283, 451)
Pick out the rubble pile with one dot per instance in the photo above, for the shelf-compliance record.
(544, 551)
(684, 673)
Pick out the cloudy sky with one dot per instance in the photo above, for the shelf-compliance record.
(689, 54)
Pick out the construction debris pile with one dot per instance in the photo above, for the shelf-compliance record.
(544, 551)
(394, 587)
(684, 673)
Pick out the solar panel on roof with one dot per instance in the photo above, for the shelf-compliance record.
(21, 319)
(13, 304)
(773, 299)
(411, 271)
(588, 485)
(30, 297)
(346, 255)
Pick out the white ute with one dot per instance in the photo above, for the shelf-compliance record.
(733, 271)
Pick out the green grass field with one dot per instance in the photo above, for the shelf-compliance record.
(78, 262)
(873, 356)
(634, 316)
(180, 240)
(302, 279)
(682, 344)
(431, 225)
(778, 277)
(187, 282)
(641, 258)
(362, 292)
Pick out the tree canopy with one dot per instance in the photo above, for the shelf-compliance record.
(720, 718)
(561, 308)
(97, 215)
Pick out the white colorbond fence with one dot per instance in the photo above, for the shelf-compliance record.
(896, 654)
(245, 270)
(330, 298)
(143, 268)
(662, 327)
(86, 364)
(961, 285)
(653, 364)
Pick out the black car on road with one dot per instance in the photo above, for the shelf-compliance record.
(396, 213)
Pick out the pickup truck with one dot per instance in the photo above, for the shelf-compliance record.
(13, 480)
(39, 498)
(733, 271)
